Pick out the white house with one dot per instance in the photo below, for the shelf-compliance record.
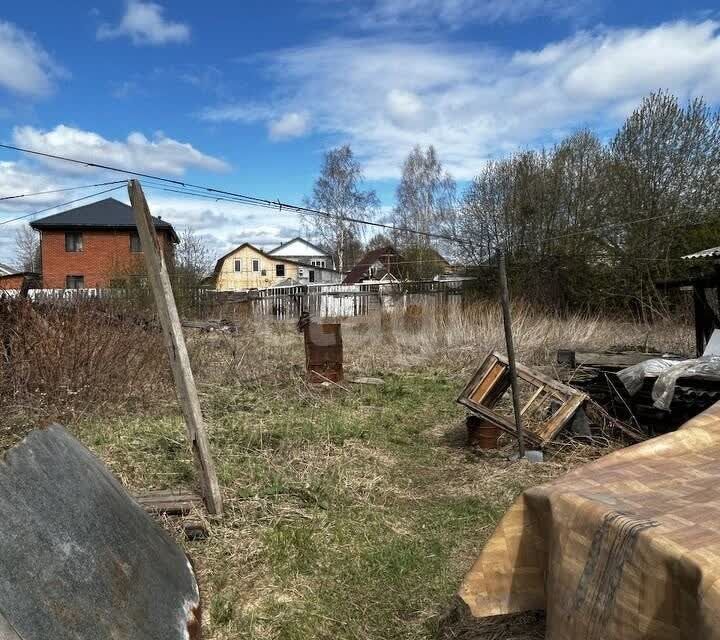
(300, 250)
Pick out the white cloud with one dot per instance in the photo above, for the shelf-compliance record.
(223, 225)
(20, 178)
(16, 179)
(160, 154)
(145, 23)
(289, 125)
(245, 113)
(405, 108)
(25, 67)
(454, 14)
(384, 96)
(281, 125)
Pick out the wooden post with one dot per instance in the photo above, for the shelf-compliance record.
(507, 321)
(177, 350)
(699, 303)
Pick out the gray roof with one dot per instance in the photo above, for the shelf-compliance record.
(103, 214)
(705, 253)
(6, 270)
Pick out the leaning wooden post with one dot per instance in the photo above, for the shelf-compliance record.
(177, 350)
(507, 321)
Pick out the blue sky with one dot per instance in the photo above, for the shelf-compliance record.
(248, 95)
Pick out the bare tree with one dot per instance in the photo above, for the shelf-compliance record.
(337, 193)
(425, 197)
(27, 249)
(379, 241)
(193, 259)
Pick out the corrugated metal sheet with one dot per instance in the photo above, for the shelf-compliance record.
(705, 253)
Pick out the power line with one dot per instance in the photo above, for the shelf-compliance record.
(42, 193)
(270, 204)
(62, 204)
(251, 200)
(221, 194)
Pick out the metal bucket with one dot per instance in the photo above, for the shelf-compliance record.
(481, 433)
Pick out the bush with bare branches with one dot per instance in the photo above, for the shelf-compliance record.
(63, 360)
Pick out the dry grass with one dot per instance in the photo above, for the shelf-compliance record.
(351, 514)
(62, 362)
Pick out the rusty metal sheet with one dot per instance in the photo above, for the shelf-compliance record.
(79, 558)
(623, 548)
(323, 351)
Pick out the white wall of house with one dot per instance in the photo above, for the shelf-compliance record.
(301, 251)
(308, 274)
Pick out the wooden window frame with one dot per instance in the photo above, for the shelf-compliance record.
(492, 380)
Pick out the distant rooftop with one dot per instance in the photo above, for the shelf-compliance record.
(103, 214)
(6, 270)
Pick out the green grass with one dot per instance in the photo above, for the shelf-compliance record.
(348, 515)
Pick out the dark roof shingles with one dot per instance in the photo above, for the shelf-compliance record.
(387, 256)
(103, 214)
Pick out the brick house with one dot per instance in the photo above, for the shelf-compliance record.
(11, 278)
(92, 245)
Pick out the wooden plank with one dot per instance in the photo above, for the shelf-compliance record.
(534, 396)
(169, 502)
(532, 376)
(485, 367)
(177, 350)
(488, 382)
(618, 360)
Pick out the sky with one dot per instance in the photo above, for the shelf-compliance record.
(248, 96)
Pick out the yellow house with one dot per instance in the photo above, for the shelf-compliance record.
(247, 267)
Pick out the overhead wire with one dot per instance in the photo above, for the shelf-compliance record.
(43, 193)
(195, 190)
(62, 204)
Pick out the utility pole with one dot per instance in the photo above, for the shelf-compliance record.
(177, 350)
(507, 321)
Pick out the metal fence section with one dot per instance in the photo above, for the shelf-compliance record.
(280, 303)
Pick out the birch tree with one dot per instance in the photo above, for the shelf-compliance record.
(337, 193)
(425, 198)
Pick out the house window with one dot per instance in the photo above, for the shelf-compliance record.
(74, 282)
(318, 263)
(73, 242)
(135, 244)
(256, 265)
(280, 270)
(238, 264)
(311, 276)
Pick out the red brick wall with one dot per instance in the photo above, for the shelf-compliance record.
(11, 282)
(105, 255)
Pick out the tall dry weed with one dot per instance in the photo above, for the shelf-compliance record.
(65, 360)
